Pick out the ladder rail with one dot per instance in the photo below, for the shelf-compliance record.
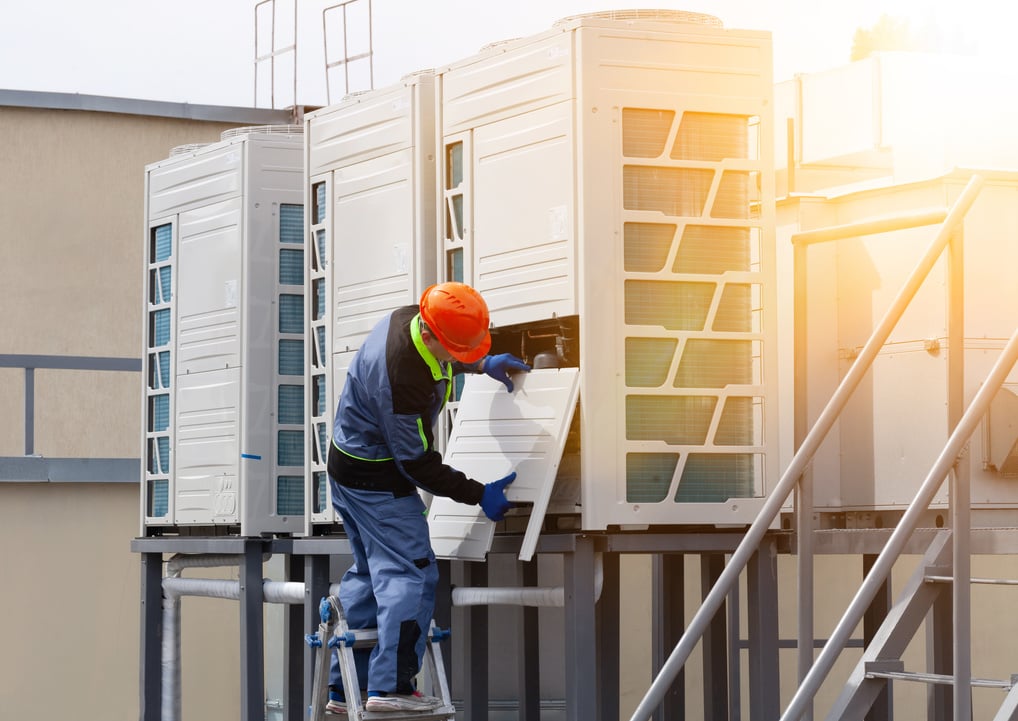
(908, 523)
(700, 622)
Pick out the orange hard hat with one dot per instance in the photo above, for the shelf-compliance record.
(458, 316)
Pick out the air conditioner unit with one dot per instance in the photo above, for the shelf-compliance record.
(371, 239)
(608, 187)
(224, 337)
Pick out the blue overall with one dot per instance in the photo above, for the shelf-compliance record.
(382, 451)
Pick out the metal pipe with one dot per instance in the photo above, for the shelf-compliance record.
(772, 506)
(804, 488)
(869, 227)
(899, 538)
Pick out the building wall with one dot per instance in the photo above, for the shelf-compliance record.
(71, 242)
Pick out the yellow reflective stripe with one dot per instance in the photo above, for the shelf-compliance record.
(351, 455)
(438, 372)
(420, 430)
(434, 365)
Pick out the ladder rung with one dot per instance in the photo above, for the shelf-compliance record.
(936, 678)
(444, 713)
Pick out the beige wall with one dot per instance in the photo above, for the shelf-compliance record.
(71, 242)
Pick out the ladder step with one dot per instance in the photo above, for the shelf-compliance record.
(440, 714)
(936, 678)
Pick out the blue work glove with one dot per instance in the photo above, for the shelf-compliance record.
(493, 502)
(498, 367)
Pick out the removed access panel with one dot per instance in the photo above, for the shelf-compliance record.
(494, 433)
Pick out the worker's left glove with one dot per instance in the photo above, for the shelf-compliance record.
(493, 502)
(498, 367)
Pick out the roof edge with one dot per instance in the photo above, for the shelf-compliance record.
(133, 106)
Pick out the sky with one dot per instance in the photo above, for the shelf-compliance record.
(203, 51)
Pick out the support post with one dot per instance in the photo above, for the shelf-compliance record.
(530, 645)
(293, 646)
(475, 667)
(609, 647)
(715, 644)
(581, 646)
(762, 605)
(151, 636)
(667, 614)
(252, 634)
(883, 707)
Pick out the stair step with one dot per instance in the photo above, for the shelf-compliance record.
(937, 678)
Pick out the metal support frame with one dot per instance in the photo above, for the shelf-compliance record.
(591, 626)
(529, 679)
(252, 634)
(475, 666)
(580, 620)
(273, 52)
(294, 651)
(715, 645)
(608, 643)
(883, 707)
(65, 469)
(151, 685)
(667, 613)
(347, 57)
(762, 608)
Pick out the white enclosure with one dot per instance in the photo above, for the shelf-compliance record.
(224, 335)
(897, 422)
(613, 176)
(371, 230)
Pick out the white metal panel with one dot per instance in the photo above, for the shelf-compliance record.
(367, 125)
(374, 268)
(210, 274)
(207, 454)
(494, 433)
(842, 98)
(506, 81)
(524, 230)
(210, 175)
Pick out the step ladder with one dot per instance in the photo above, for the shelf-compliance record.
(334, 633)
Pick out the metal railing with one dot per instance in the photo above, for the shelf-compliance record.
(32, 468)
(700, 622)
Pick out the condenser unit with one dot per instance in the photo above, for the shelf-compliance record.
(371, 239)
(224, 336)
(607, 186)
(898, 420)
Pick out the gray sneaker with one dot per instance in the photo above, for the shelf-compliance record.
(400, 702)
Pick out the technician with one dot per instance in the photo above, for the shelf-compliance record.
(382, 452)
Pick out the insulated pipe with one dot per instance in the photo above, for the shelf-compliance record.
(180, 561)
(523, 595)
(175, 587)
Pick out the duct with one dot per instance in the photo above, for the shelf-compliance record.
(523, 595)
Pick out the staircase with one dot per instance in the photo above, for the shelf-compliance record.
(947, 558)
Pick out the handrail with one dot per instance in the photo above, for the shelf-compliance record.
(772, 506)
(895, 544)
